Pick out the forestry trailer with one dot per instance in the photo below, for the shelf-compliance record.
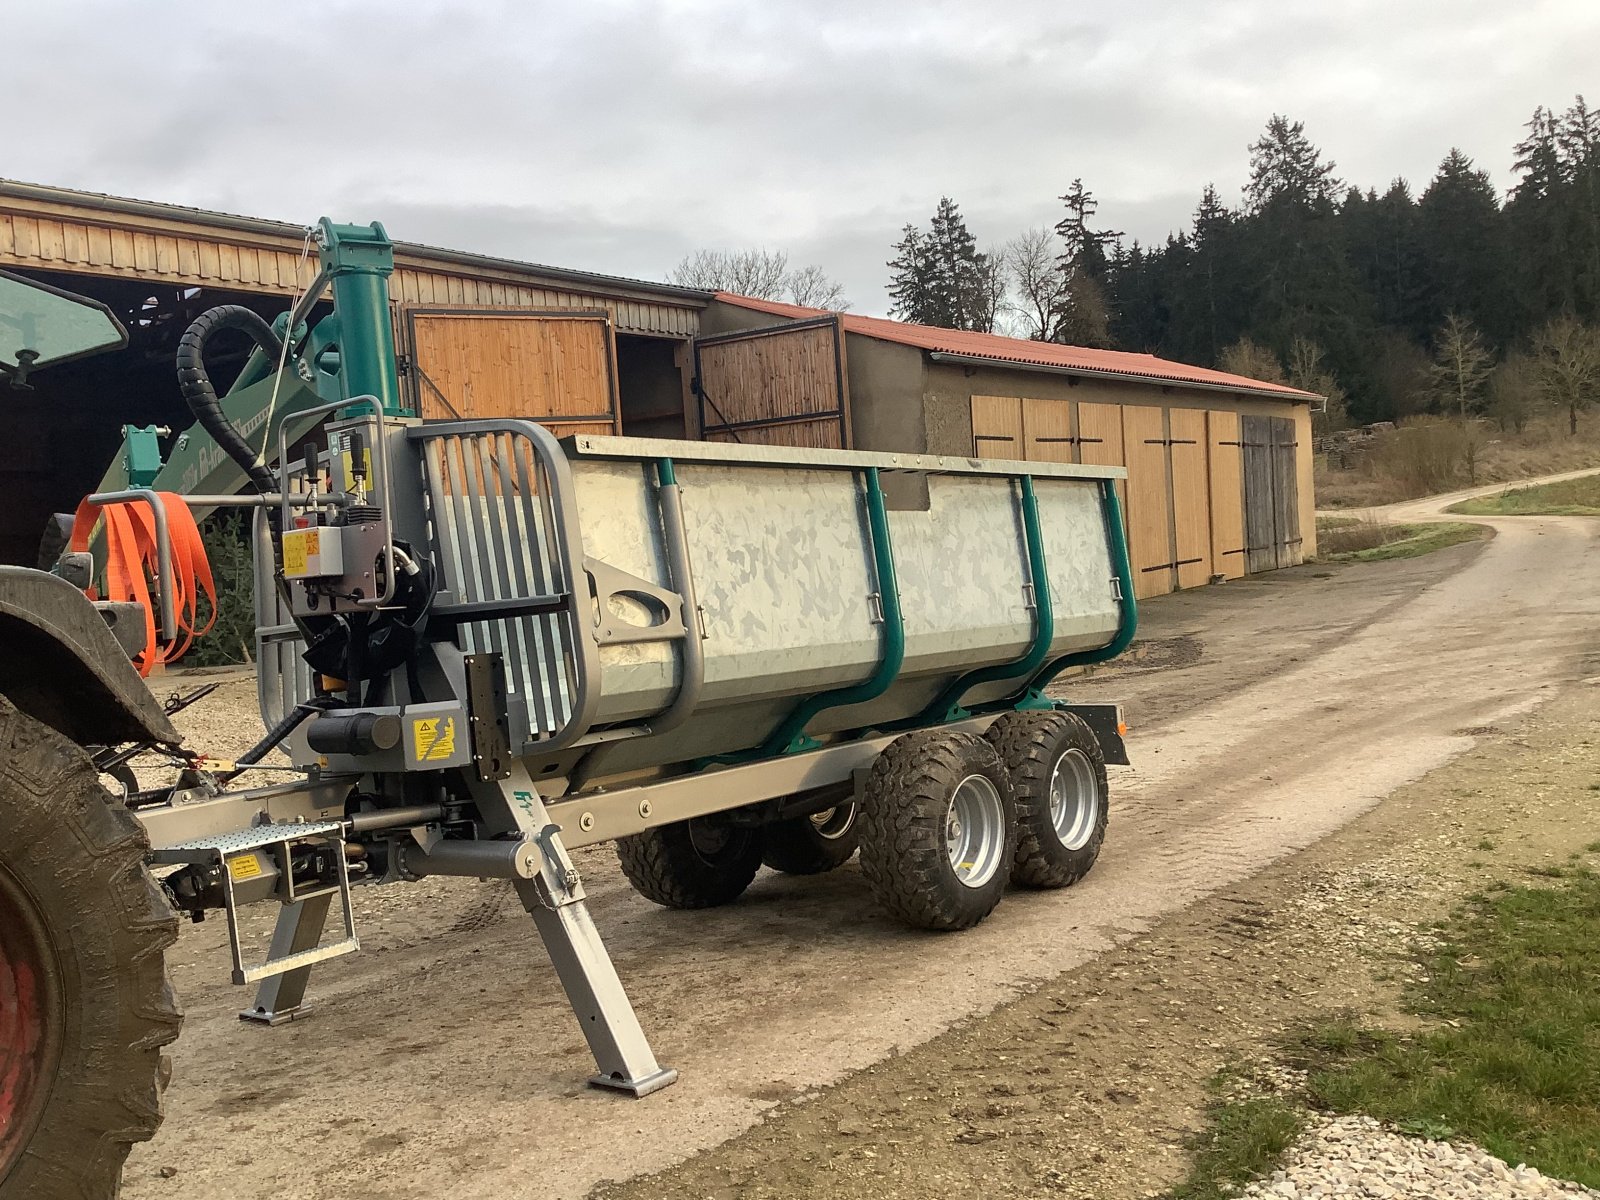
(479, 648)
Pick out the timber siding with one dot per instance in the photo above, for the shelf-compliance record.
(48, 229)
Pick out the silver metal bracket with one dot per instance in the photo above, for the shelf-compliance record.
(664, 608)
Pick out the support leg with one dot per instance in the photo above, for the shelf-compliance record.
(281, 998)
(616, 1040)
(555, 898)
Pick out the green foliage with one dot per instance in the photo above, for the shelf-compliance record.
(941, 278)
(1512, 1057)
(1569, 498)
(226, 535)
(1369, 279)
(1243, 1140)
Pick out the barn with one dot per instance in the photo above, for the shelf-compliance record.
(1219, 467)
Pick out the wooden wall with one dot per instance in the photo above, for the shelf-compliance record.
(1184, 498)
(555, 368)
(86, 240)
(777, 386)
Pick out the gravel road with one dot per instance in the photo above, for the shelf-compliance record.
(1266, 713)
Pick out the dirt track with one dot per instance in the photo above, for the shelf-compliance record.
(1266, 713)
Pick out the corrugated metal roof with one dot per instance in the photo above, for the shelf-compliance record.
(998, 349)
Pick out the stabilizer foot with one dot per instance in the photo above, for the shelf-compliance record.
(637, 1088)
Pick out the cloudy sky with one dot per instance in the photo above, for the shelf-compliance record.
(617, 135)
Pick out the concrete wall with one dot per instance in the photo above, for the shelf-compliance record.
(886, 395)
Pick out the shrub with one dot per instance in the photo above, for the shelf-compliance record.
(226, 535)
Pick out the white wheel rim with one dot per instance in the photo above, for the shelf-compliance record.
(975, 830)
(1074, 800)
(832, 824)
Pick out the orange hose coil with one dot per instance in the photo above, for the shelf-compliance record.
(132, 563)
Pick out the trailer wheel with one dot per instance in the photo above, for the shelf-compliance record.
(85, 1006)
(1058, 775)
(938, 829)
(698, 863)
(813, 844)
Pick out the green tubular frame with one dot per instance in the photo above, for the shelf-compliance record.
(1033, 696)
(790, 736)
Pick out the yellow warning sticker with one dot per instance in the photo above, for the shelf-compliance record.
(244, 866)
(299, 547)
(433, 738)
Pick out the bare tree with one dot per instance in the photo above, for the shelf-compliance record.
(1461, 365)
(1566, 365)
(1309, 373)
(757, 273)
(1512, 392)
(1038, 284)
(761, 274)
(1251, 360)
(813, 288)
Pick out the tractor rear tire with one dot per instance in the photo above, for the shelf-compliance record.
(813, 844)
(938, 829)
(699, 863)
(85, 1005)
(1058, 775)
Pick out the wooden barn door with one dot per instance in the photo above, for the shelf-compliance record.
(1047, 430)
(1144, 439)
(1271, 493)
(1227, 494)
(785, 385)
(555, 366)
(1286, 491)
(1191, 495)
(997, 427)
(1026, 429)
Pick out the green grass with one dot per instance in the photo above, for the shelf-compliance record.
(1397, 541)
(1568, 498)
(1511, 1058)
(1244, 1140)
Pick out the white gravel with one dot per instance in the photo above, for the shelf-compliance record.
(1356, 1157)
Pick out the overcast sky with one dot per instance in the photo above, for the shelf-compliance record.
(616, 135)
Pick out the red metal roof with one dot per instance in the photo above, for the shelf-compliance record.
(1028, 353)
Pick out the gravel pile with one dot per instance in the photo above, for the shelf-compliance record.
(1356, 1157)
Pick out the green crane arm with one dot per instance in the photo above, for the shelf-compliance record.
(350, 352)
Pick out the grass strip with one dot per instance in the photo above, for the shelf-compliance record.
(1511, 1059)
(1567, 498)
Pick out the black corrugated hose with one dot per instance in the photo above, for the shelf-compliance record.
(201, 396)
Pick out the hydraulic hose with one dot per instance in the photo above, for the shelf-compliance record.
(291, 721)
(201, 396)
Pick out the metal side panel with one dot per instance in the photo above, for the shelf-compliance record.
(963, 572)
(783, 573)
